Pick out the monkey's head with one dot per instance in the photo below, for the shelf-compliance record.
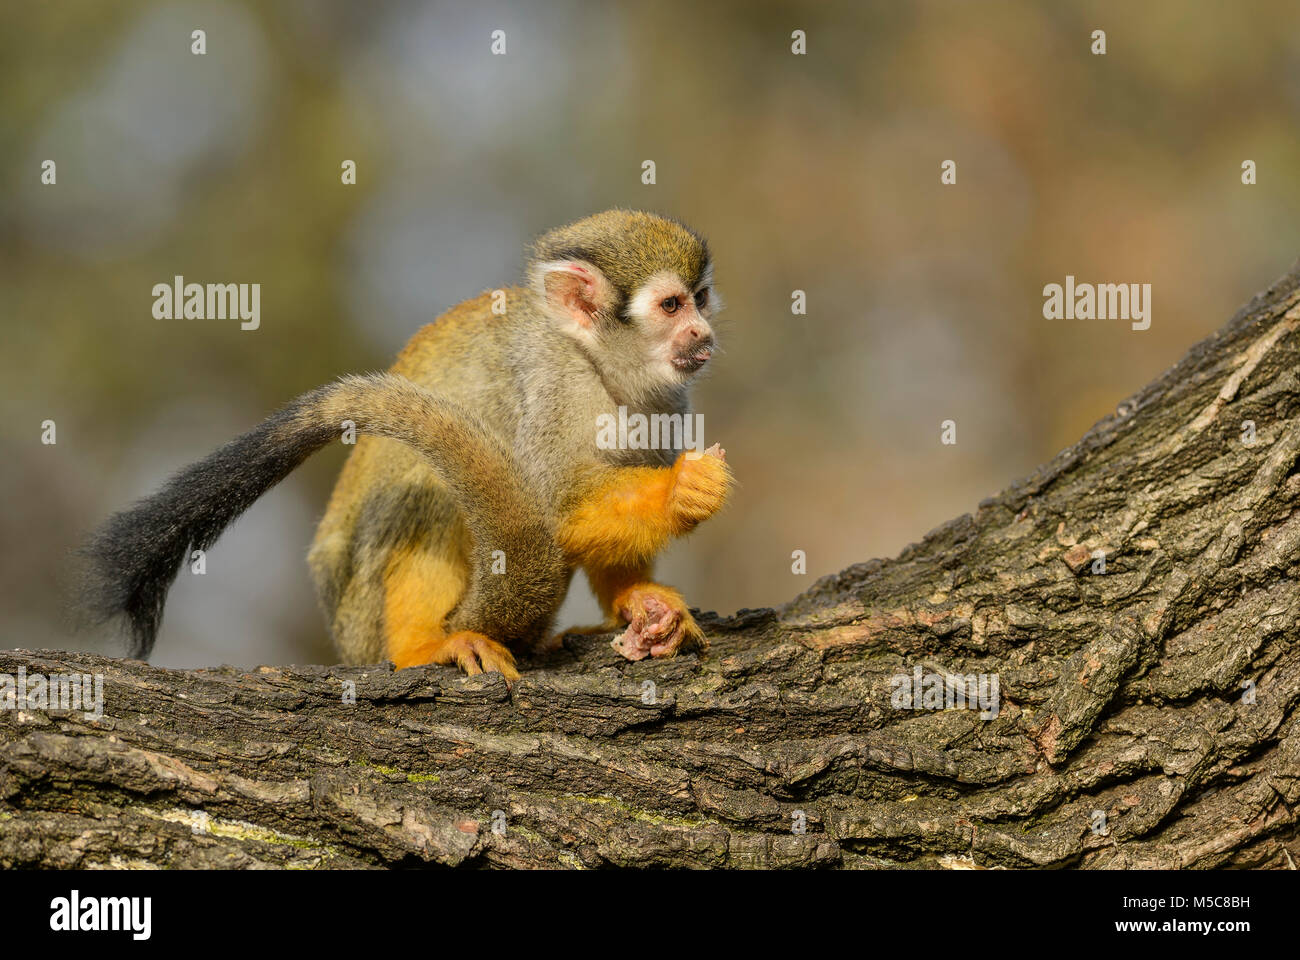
(635, 291)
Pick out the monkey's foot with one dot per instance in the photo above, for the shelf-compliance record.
(474, 653)
(658, 623)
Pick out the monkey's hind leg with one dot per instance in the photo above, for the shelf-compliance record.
(421, 588)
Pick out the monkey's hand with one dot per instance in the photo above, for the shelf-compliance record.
(658, 623)
(700, 485)
(626, 514)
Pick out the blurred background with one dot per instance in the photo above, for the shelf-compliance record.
(818, 173)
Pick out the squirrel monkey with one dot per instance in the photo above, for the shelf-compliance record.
(478, 486)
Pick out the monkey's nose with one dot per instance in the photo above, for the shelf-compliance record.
(703, 338)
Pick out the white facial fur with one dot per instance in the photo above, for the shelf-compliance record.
(645, 305)
(638, 356)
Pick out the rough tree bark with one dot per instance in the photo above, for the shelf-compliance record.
(1161, 692)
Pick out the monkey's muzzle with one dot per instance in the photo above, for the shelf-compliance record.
(693, 359)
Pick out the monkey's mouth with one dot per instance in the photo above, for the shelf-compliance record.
(690, 362)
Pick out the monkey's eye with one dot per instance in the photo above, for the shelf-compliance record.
(701, 298)
(670, 305)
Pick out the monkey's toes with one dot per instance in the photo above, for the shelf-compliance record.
(475, 653)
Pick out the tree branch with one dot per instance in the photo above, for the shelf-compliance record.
(1145, 716)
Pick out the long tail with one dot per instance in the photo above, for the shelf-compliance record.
(133, 558)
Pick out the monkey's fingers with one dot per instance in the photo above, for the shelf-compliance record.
(713, 451)
(659, 624)
(687, 636)
(649, 616)
(633, 643)
(699, 488)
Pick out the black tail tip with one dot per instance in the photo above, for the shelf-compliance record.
(105, 594)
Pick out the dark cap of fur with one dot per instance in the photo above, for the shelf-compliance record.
(627, 246)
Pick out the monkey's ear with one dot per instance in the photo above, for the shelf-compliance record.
(574, 290)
